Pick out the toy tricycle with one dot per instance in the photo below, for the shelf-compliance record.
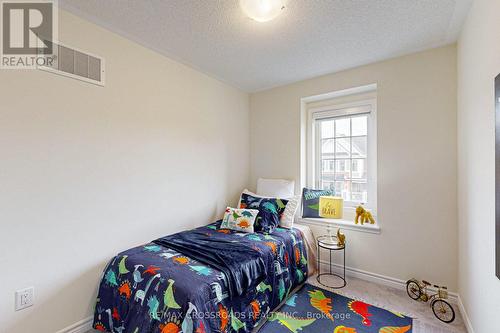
(417, 290)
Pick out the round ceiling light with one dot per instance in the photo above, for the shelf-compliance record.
(262, 10)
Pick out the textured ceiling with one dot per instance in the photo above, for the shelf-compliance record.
(310, 37)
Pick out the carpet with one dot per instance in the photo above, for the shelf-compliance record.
(316, 310)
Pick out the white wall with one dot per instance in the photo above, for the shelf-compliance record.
(478, 64)
(88, 171)
(417, 199)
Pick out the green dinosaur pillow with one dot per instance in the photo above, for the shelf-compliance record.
(270, 211)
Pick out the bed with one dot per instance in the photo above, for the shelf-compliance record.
(202, 280)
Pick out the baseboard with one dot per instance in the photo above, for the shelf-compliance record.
(380, 279)
(465, 316)
(83, 326)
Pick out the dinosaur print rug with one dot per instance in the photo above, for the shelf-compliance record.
(315, 310)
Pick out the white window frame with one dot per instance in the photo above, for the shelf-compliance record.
(366, 106)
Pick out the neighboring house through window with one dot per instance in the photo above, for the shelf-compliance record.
(342, 145)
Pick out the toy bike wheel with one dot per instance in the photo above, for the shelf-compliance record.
(443, 310)
(413, 290)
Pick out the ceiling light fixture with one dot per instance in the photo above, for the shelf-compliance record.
(262, 10)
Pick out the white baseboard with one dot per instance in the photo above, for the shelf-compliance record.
(380, 279)
(465, 316)
(83, 326)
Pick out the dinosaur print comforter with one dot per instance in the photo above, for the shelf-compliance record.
(156, 289)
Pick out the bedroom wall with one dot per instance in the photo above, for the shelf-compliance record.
(88, 171)
(417, 195)
(478, 64)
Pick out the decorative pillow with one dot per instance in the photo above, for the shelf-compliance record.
(239, 219)
(310, 201)
(270, 211)
(288, 216)
(286, 220)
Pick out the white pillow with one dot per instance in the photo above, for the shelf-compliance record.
(286, 220)
(288, 216)
(275, 188)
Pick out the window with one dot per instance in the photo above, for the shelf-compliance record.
(342, 148)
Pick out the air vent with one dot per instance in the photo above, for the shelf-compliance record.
(76, 64)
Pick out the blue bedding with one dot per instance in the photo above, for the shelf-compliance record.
(241, 264)
(202, 280)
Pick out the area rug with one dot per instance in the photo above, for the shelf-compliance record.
(316, 310)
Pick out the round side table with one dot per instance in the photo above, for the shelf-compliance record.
(330, 243)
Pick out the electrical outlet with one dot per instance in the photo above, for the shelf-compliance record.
(25, 298)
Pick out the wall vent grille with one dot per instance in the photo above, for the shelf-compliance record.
(76, 64)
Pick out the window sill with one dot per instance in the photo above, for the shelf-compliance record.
(344, 224)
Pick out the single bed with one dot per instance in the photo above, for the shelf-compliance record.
(202, 280)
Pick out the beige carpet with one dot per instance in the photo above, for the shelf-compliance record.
(396, 300)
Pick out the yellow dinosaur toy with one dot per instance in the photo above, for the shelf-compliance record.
(362, 215)
(340, 238)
